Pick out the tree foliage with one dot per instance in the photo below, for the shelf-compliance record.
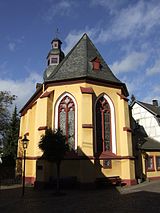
(53, 144)
(11, 137)
(6, 99)
(7, 125)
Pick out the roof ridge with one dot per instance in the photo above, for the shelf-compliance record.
(150, 107)
(149, 104)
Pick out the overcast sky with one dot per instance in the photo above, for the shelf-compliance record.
(126, 33)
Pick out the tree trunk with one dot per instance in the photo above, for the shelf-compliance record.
(58, 176)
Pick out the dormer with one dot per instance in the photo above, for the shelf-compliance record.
(96, 64)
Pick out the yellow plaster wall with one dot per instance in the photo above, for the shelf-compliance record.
(40, 121)
(31, 130)
(124, 137)
(87, 109)
(50, 111)
(43, 114)
(155, 173)
(30, 168)
(127, 169)
(87, 141)
(114, 171)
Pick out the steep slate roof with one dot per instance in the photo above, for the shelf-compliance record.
(77, 64)
(155, 110)
(150, 144)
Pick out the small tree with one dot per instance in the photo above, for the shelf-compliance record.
(53, 144)
(11, 138)
(6, 100)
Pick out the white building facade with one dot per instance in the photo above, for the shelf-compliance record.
(147, 115)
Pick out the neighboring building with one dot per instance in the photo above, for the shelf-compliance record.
(146, 139)
(81, 95)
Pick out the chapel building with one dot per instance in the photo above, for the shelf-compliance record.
(81, 96)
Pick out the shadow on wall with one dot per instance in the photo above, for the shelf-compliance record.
(77, 170)
(139, 136)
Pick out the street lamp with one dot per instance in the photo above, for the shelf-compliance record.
(25, 145)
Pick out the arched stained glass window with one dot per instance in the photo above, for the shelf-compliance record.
(66, 119)
(103, 125)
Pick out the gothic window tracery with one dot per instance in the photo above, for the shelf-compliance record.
(103, 125)
(66, 119)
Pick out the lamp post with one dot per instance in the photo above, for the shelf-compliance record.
(25, 145)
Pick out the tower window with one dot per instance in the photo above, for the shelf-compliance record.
(54, 60)
(55, 44)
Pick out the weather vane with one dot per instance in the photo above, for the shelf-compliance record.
(57, 33)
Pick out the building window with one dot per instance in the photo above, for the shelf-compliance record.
(150, 163)
(107, 164)
(103, 125)
(54, 60)
(158, 163)
(55, 44)
(66, 120)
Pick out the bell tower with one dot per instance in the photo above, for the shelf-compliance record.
(54, 57)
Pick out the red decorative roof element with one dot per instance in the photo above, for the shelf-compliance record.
(42, 128)
(87, 125)
(46, 94)
(87, 90)
(96, 63)
(27, 134)
(123, 97)
(127, 129)
(107, 155)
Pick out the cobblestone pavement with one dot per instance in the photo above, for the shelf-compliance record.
(144, 197)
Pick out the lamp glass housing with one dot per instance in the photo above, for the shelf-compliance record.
(25, 142)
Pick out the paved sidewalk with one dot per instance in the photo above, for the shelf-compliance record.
(140, 198)
(148, 186)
